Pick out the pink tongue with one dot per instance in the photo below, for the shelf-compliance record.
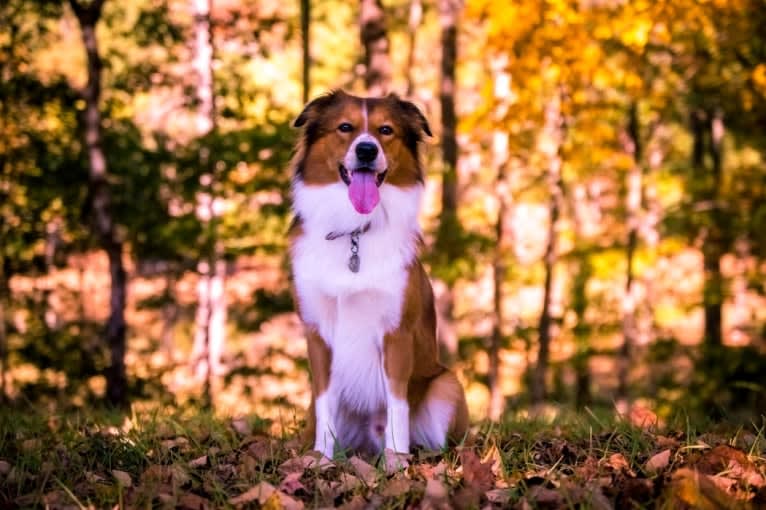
(363, 192)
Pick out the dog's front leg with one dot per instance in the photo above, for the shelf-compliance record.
(398, 369)
(320, 359)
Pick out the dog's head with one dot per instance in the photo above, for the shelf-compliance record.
(362, 142)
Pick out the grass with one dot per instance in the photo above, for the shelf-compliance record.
(192, 459)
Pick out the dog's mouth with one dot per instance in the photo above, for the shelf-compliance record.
(345, 175)
(363, 184)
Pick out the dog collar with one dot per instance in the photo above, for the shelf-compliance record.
(353, 260)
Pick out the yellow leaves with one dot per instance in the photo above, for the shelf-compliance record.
(637, 35)
(759, 78)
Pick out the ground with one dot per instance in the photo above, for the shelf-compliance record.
(191, 459)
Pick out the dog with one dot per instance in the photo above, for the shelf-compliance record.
(360, 290)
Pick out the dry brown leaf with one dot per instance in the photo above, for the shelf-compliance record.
(303, 462)
(476, 473)
(198, 462)
(666, 442)
(31, 445)
(642, 417)
(696, 490)
(356, 503)
(122, 477)
(259, 447)
(364, 470)
(241, 426)
(5, 467)
(620, 464)
(658, 462)
(397, 487)
(191, 501)
(395, 461)
(268, 496)
(545, 496)
(494, 459)
(499, 496)
(291, 483)
(178, 442)
(173, 475)
(734, 463)
(436, 496)
(348, 482)
(596, 499)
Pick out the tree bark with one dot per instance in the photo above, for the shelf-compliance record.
(449, 226)
(306, 41)
(101, 203)
(211, 312)
(713, 247)
(707, 135)
(374, 36)
(552, 149)
(632, 146)
(448, 13)
(500, 160)
(416, 17)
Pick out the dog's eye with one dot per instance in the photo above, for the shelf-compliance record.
(345, 128)
(386, 130)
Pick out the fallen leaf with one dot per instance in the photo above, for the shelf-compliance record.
(291, 483)
(397, 487)
(356, 503)
(692, 489)
(259, 447)
(5, 467)
(476, 473)
(241, 426)
(658, 462)
(348, 482)
(198, 462)
(493, 458)
(735, 463)
(191, 501)
(499, 496)
(268, 496)
(364, 470)
(122, 477)
(303, 462)
(545, 496)
(31, 445)
(435, 496)
(666, 442)
(178, 442)
(620, 464)
(642, 417)
(395, 461)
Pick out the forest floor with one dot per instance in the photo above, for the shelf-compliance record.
(196, 461)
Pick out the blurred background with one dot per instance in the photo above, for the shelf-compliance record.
(594, 221)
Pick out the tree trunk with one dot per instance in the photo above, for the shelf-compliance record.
(448, 13)
(551, 147)
(377, 62)
(211, 312)
(449, 224)
(500, 155)
(416, 17)
(101, 204)
(3, 338)
(709, 128)
(631, 143)
(579, 298)
(713, 247)
(306, 41)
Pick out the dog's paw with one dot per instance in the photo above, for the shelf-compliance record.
(395, 461)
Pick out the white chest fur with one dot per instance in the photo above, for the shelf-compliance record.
(353, 311)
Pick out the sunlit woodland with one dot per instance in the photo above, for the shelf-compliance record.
(594, 221)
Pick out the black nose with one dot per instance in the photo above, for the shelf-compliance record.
(366, 152)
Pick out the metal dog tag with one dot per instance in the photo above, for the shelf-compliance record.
(353, 263)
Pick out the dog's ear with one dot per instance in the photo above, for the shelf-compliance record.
(414, 113)
(314, 107)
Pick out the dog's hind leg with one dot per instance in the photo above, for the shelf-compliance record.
(442, 414)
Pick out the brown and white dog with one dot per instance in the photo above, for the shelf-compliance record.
(360, 290)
